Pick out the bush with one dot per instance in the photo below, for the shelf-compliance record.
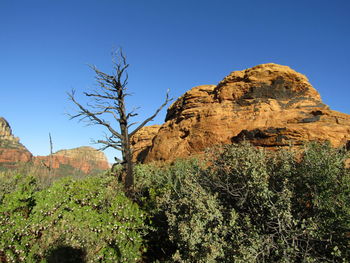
(15, 210)
(241, 204)
(322, 194)
(90, 218)
(248, 205)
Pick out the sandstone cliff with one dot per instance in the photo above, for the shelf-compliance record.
(11, 150)
(142, 142)
(13, 153)
(270, 105)
(82, 158)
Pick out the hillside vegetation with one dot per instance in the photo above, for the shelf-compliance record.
(238, 204)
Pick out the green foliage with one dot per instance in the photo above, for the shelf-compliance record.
(9, 182)
(15, 209)
(241, 204)
(255, 189)
(322, 193)
(91, 217)
(195, 222)
(248, 205)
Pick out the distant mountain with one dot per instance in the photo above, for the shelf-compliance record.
(269, 105)
(12, 151)
(13, 154)
(86, 159)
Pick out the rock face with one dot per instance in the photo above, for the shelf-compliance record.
(83, 158)
(270, 105)
(12, 153)
(142, 143)
(11, 150)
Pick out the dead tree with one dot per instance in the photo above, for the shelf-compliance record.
(50, 165)
(51, 152)
(109, 99)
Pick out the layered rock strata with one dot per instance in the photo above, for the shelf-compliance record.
(86, 159)
(11, 150)
(13, 153)
(270, 105)
(143, 141)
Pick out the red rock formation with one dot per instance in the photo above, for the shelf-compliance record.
(12, 151)
(10, 157)
(143, 142)
(270, 105)
(83, 158)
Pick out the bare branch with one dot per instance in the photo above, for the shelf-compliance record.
(132, 124)
(167, 100)
(87, 114)
(108, 144)
(131, 114)
(100, 96)
(109, 100)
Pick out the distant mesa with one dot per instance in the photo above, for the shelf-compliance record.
(13, 153)
(269, 105)
(86, 159)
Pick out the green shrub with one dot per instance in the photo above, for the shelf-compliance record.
(255, 189)
(9, 181)
(90, 218)
(195, 222)
(15, 210)
(249, 205)
(241, 204)
(322, 194)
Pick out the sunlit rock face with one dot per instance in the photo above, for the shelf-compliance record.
(142, 142)
(270, 105)
(86, 159)
(11, 150)
(13, 153)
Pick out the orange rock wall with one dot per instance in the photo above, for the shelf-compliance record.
(9, 157)
(85, 159)
(270, 105)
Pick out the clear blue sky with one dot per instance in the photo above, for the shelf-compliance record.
(45, 47)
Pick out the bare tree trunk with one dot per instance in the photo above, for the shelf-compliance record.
(128, 177)
(129, 171)
(50, 159)
(110, 100)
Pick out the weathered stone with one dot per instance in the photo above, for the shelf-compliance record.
(12, 151)
(270, 105)
(143, 141)
(83, 158)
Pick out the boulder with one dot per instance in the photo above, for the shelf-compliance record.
(270, 105)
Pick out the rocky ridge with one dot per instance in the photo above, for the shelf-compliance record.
(13, 153)
(270, 105)
(82, 158)
(11, 150)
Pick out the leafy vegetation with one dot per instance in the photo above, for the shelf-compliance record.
(90, 216)
(249, 205)
(240, 204)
